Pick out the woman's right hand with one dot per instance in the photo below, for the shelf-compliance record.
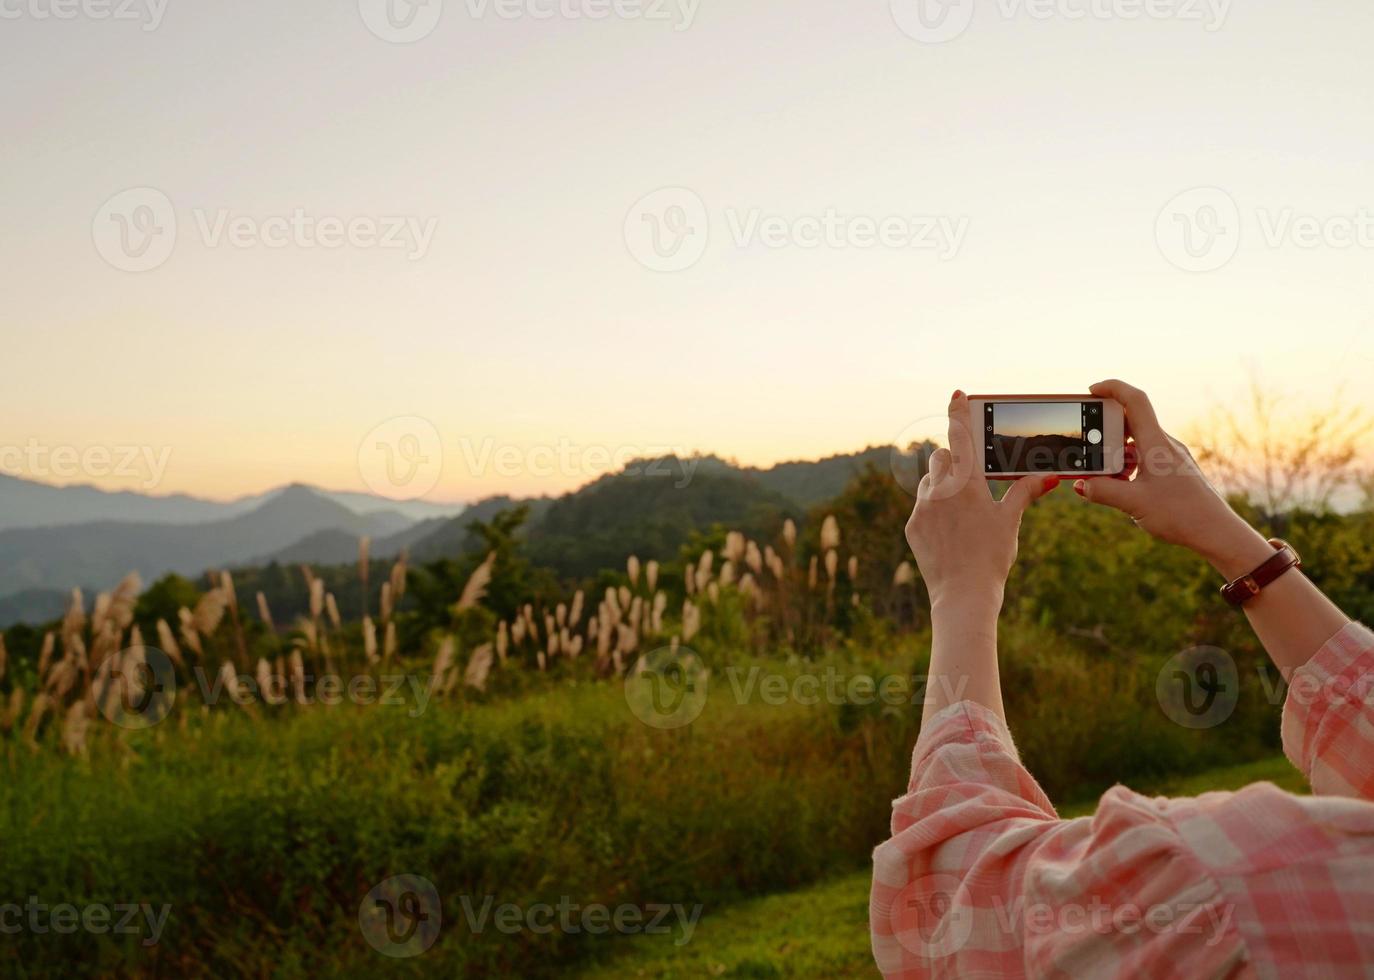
(1168, 496)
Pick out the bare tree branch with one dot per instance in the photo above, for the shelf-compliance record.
(1281, 460)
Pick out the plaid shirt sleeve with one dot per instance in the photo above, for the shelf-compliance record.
(1328, 716)
(980, 878)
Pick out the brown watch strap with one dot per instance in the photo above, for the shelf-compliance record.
(1245, 588)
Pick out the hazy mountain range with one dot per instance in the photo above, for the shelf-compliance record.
(26, 503)
(55, 538)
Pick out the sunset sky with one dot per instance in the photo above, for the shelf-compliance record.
(1042, 160)
(1025, 419)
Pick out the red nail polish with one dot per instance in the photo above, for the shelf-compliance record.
(1080, 488)
(958, 393)
(1051, 482)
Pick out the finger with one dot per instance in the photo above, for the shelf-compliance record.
(1140, 414)
(923, 489)
(940, 465)
(1027, 491)
(1122, 495)
(1130, 462)
(960, 434)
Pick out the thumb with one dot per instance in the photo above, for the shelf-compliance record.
(1122, 495)
(1027, 491)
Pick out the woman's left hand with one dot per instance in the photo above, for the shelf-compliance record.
(964, 540)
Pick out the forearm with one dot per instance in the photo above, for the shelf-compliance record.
(963, 653)
(1291, 616)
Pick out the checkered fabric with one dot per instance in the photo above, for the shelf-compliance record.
(982, 879)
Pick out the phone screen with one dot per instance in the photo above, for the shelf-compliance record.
(1043, 437)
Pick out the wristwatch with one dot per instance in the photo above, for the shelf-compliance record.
(1245, 588)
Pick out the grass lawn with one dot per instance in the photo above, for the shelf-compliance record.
(822, 931)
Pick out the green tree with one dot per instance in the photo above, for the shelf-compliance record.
(436, 586)
(162, 599)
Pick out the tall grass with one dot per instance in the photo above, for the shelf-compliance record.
(98, 663)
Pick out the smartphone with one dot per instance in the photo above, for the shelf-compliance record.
(1065, 435)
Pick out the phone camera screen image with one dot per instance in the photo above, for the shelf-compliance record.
(1043, 437)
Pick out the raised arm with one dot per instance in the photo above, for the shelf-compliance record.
(965, 544)
(1329, 715)
(1171, 499)
(968, 789)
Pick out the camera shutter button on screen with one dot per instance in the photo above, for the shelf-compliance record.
(1094, 436)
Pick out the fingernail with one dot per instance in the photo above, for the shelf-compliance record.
(1080, 487)
(1051, 482)
(958, 393)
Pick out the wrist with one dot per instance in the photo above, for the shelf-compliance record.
(968, 603)
(1236, 550)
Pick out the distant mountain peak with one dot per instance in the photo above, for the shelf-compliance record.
(298, 491)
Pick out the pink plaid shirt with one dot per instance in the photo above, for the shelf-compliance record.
(982, 879)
